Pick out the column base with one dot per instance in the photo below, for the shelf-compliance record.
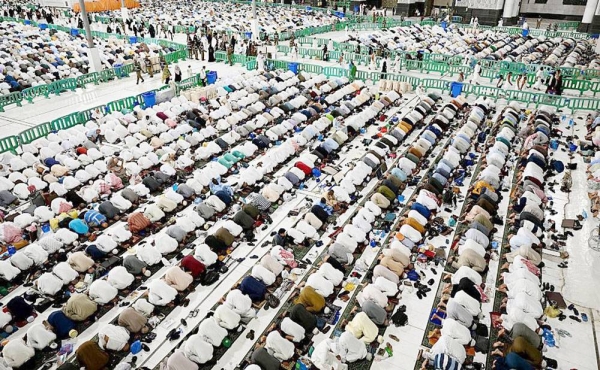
(124, 14)
(95, 63)
(512, 21)
(594, 27)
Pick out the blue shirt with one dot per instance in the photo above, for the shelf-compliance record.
(61, 323)
(79, 226)
(327, 208)
(421, 209)
(94, 218)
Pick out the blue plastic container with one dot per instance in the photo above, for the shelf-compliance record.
(248, 35)
(211, 77)
(149, 99)
(132, 39)
(525, 33)
(43, 26)
(118, 69)
(293, 67)
(456, 89)
(444, 25)
(27, 22)
(554, 144)
(74, 32)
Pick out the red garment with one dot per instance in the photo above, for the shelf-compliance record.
(304, 168)
(162, 115)
(138, 222)
(81, 150)
(191, 264)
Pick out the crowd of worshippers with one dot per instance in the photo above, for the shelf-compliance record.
(14, 9)
(209, 17)
(588, 150)
(492, 45)
(254, 290)
(31, 57)
(51, 212)
(519, 323)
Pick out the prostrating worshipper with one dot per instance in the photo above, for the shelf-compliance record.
(211, 331)
(135, 266)
(192, 266)
(133, 321)
(79, 307)
(16, 353)
(351, 348)
(65, 272)
(178, 279)
(60, 324)
(179, 361)
(227, 318)
(20, 309)
(40, 337)
(239, 303)
(311, 300)
(278, 346)
(81, 262)
(253, 288)
(522, 347)
(91, 356)
(101, 292)
(362, 328)
(113, 338)
(198, 349)
(160, 293)
(265, 360)
(120, 278)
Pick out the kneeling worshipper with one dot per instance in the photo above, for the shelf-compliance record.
(211, 332)
(160, 293)
(16, 353)
(113, 338)
(91, 357)
(79, 307)
(278, 346)
(61, 325)
(311, 300)
(363, 328)
(179, 361)
(133, 321)
(135, 266)
(102, 292)
(119, 278)
(20, 309)
(81, 262)
(40, 337)
(178, 279)
(192, 266)
(198, 350)
(239, 303)
(226, 317)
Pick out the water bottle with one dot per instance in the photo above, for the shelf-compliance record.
(373, 243)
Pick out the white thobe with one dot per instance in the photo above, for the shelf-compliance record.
(226, 318)
(279, 347)
(102, 292)
(211, 332)
(292, 329)
(321, 285)
(120, 278)
(39, 337)
(239, 303)
(112, 337)
(160, 293)
(197, 349)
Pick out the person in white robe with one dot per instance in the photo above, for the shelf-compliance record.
(160, 293)
(458, 332)
(351, 349)
(321, 285)
(226, 317)
(148, 254)
(7, 271)
(16, 352)
(39, 337)
(197, 349)
(240, 303)
(261, 273)
(372, 293)
(102, 292)
(120, 278)
(332, 274)
(113, 338)
(65, 272)
(48, 284)
(293, 331)
(279, 347)
(211, 332)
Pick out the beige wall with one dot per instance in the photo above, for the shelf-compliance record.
(552, 7)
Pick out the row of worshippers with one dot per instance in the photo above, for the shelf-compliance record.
(523, 308)
(378, 299)
(459, 310)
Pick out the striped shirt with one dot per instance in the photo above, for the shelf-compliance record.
(94, 218)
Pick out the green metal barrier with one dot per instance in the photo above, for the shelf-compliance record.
(34, 133)
(33, 92)
(89, 78)
(10, 99)
(9, 144)
(122, 104)
(66, 84)
(67, 121)
(86, 115)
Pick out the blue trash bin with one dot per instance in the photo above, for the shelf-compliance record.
(211, 77)
(293, 67)
(248, 35)
(74, 32)
(525, 33)
(43, 26)
(27, 22)
(456, 89)
(149, 99)
(132, 39)
(444, 25)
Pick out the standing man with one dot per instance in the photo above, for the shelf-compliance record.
(197, 46)
(138, 71)
(190, 46)
(149, 68)
(203, 75)
(230, 55)
(539, 22)
(325, 52)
